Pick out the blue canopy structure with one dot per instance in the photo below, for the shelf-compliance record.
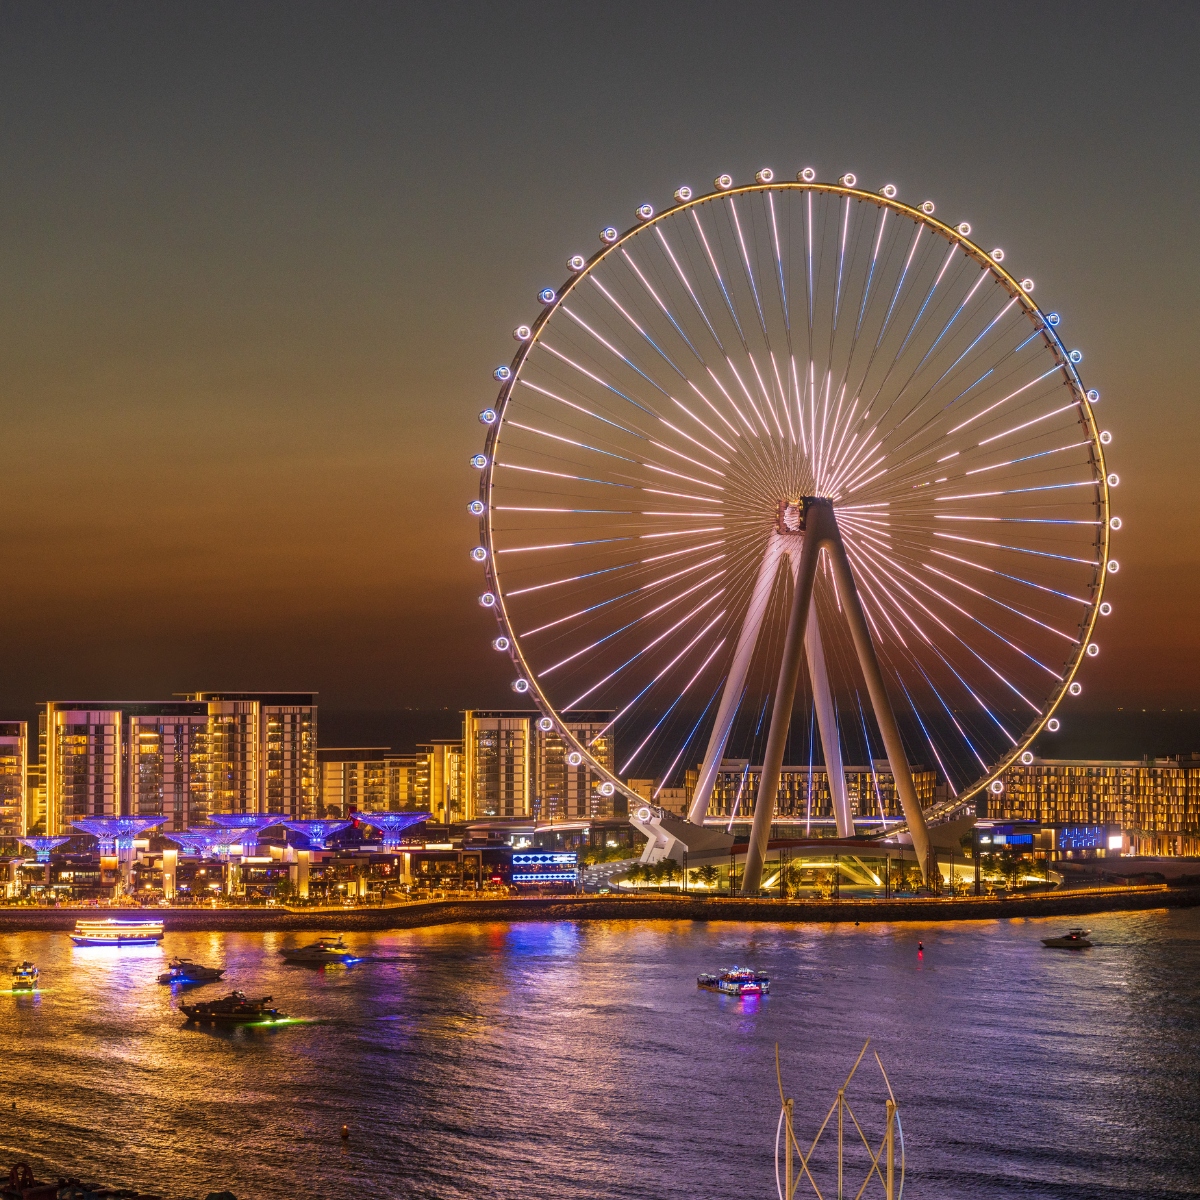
(317, 832)
(199, 841)
(116, 833)
(392, 824)
(42, 846)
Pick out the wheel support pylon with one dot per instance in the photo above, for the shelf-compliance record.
(819, 531)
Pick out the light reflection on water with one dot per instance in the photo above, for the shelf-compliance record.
(581, 1061)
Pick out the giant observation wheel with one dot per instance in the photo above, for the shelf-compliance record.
(722, 372)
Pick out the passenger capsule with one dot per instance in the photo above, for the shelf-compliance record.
(609, 235)
(683, 194)
(807, 175)
(476, 508)
(576, 262)
(766, 175)
(644, 212)
(889, 190)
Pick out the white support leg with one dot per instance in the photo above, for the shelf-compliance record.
(736, 680)
(831, 743)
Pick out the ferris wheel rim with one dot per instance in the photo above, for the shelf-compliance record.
(923, 215)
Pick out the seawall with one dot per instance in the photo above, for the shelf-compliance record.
(1075, 903)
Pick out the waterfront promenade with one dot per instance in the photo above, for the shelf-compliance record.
(1073, 903)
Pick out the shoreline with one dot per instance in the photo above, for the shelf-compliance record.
(426, 913)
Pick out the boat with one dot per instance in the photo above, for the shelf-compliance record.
(183, 970)
(737, 981)
(323, 950)
(233, 1009)
(112, 931)
(25, 977)
(1075, 940)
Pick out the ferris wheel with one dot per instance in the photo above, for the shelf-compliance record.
(785, 425)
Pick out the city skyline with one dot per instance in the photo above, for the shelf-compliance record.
(246, 442)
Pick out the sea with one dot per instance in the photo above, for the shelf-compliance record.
(579, 1061)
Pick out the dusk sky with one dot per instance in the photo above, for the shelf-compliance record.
(257, 263)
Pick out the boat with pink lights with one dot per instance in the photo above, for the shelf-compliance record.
(737, 981)
(114, 931)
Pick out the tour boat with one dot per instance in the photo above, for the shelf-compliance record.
(183, 970)
(112, 931)
(1075, 940)
(326, 949)
(737, 981)
(233, 1009)
(25, 977)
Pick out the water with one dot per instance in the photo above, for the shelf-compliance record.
(572, 1061)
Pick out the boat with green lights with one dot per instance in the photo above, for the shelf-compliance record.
(234, 1009)
(25, 977)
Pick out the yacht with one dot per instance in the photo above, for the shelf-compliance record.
(737, 981)
(1076, 939)
(183, 970)
(25, 977)
(233, 1009)
(323, 950)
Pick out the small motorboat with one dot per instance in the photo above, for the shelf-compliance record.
(1075, 940)
(183, 970)
(737, 981)
(233, 1009)
(25, 977)
(323, 950)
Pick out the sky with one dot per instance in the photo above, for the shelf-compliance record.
(258, 261)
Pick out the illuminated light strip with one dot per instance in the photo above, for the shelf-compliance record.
(629, 625)
(808, 247)
(683, 496)
(737, 225)
(678, 532)
(676, 701)
(921, 312)
(750, 398)
(945, 661)
(971, 617)
(677, 553)
(732, 427)
(837, 295)
(562, 475)
(925, 731)
(987, 596)
(787, 320)
(984, 412)
(952, 454)
(571, 442)
(1044, 487)
(666, 311)
(617, 716)
(838, 455)
(645, 587)
(1016, 549)
(687, 742)
(560, 545)
(950, 714)
(678, 475)
(820, 446)
(799, 406)
(694, 441)
(645, 512)
(684, 280)
(749, 425)
(962, 642)
(899, 284)
(695, 462)
(580, 408)
(610, 347)
(858, 481)
(618, 306)
(626, 512)
(1016, 520)
(871, 274)
(702, 425)
(854, 461)
(1027, 424)
(712, 262)
(983, 274)
(767, 399)
(1007, 308)
(787, 410)
(864, 507)
(649, 646)
(594, 377)
(541, 587)
(1025, 458)
(966, 562)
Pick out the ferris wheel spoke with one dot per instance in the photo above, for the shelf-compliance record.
(648, 339)
(633, 266)
(1015, 578)
(1028, 424)
(691, 291)
(783, 300)
(737, 225)
(1011, 462)
(580, 408)
(1014, 549)
(717, 276)
(1069, 637)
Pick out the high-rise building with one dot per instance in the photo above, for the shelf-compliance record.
(261, 752)
(408, 781)
(121, 758)
(1155, 801)
(447, 779)
(804, 794)
(14, 769)
(514, 768)
(353, 778)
